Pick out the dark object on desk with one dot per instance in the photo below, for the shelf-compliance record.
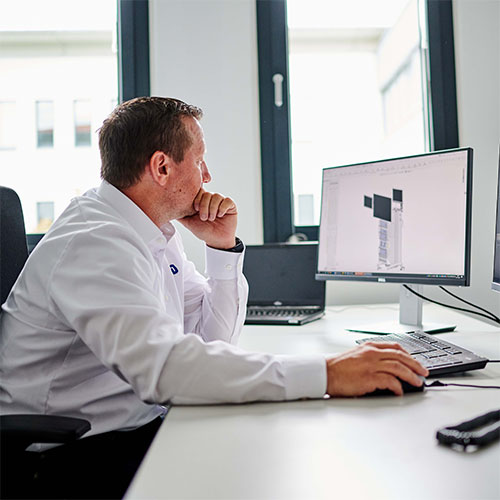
(407, 388)
(438, 356)
(18, 431)
(479, 431)
(283, 288)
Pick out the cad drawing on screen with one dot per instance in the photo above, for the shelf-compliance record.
(401, 220)
(389, 213)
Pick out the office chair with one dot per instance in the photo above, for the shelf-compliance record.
(17, 432)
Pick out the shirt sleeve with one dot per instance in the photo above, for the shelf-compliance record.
(103, 285)
(215, 308)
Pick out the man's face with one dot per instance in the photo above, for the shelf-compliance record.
(188, 176)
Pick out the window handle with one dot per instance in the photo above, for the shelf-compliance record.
(278, 89)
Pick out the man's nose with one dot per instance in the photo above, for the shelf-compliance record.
(205, 173)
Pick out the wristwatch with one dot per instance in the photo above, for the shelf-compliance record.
(238, 248)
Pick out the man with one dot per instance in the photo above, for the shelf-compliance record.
(109, 321)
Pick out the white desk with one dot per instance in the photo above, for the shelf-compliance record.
(379, 447)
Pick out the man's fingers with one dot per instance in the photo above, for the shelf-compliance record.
(228, 206)
(196, 202)
(212, 205)
(400, 370)
(405, 359)
(393, 351)
(386, 345)
(386, 381)
(204, 205)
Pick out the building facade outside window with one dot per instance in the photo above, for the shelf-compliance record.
(342, 83)
(82, 116)
(44, 124)
(49, 60)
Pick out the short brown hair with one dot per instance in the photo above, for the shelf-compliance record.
(136, 129)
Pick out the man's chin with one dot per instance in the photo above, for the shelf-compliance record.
(188, 213)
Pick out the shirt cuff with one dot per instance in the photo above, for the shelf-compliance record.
(305, 376)
(223, 265)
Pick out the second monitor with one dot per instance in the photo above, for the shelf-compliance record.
(403, 220)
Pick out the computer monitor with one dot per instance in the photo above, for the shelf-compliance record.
(495, 284)
(402, 220)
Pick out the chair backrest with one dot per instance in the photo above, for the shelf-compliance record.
(13, 247)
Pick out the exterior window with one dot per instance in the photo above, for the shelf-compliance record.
(48, 63)
(82, 116)
(51, 101)
(45, 124)
(8, 125)
(347, 82)
(45, 216)
(366, 76)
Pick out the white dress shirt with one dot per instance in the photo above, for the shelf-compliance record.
(109, 320)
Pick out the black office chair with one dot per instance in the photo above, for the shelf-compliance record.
(17, 432)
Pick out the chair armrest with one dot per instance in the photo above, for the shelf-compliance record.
(41, 428)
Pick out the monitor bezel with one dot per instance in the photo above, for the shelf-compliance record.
(410, 278)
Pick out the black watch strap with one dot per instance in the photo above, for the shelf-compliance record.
(238, 248)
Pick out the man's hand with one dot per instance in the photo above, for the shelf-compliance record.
(372, 366)
(214, 221)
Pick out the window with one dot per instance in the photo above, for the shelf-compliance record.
(45, 124)
(8, 125)
(81, 112)
(346, 82)
(45, 215)
(51, 103)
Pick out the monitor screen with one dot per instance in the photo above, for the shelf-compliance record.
(402, 220)
(496, 259)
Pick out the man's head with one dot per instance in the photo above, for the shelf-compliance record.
(137, 129)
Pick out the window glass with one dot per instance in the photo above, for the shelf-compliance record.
(82, 115)
(44, 124)
(45, 215)
(58, 64)
(356, 73)
(8, 125)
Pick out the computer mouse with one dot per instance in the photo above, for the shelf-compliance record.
(407, 388)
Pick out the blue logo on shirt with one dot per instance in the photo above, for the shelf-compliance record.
(173, 269)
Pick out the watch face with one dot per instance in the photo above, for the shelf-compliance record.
(238, 247)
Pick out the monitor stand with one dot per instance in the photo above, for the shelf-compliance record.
(410, 317)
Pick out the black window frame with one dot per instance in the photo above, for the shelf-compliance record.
(133, 49)
(272, 41)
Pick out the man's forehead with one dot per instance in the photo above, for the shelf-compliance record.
(194, 126)
(195, 129)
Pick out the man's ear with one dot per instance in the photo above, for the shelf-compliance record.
(159, 167)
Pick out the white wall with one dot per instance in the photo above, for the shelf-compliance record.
(477, 57)
(205, 52)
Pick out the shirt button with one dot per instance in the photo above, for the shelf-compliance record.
(166, 298)
(229, 267)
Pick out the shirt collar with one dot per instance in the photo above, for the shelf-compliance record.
(155, 238)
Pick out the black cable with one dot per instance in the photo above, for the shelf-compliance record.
(438, 383)
(451, 307)
(495, 318)
(494, 361)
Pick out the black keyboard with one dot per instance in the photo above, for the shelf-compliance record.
(285, 315)
(438, 356)
(275, 312)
